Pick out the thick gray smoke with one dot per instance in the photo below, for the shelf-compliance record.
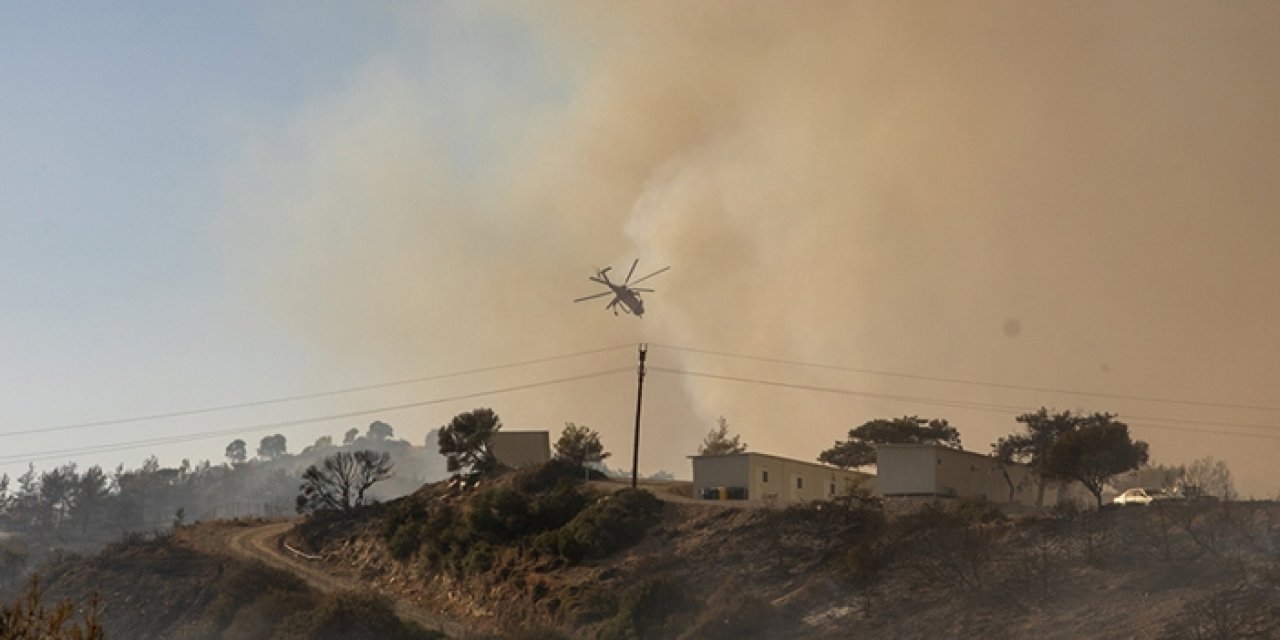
(1048, 195)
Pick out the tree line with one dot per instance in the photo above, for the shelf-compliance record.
(73, 507)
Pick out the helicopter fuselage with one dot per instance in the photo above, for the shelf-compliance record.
(630, 300)
(625, 294)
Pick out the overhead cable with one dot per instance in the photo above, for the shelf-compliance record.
(958, 404)
(978, 383)
(305, 396)
(202, 435)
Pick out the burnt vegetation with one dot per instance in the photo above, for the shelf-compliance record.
(161, 587)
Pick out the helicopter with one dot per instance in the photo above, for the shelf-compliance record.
(624, 295)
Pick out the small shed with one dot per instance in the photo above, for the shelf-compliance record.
(517, 449)
(769, 478)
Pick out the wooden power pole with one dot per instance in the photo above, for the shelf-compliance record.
(635, 451)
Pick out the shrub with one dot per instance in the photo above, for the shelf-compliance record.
(405, 540)
(30, 617)
(732, 612)
(546, 476)
(590, 604)
(351, 616)
(478, 559)
(644, 611)
(499, 514)
(612, 523)
(505, 514)
(946, 546)
(554, 508)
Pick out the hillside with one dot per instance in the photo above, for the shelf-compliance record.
(541, 554)
(822, 570)
(168, 587)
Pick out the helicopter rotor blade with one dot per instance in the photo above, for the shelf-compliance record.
(651, 275)
(631, 271)
(595, 279)
(592, 297)
(641, 289)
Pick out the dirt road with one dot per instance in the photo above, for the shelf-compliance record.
(263, 542)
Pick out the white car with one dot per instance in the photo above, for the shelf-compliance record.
(1139, 495)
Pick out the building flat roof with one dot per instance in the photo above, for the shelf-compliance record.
(784, 459)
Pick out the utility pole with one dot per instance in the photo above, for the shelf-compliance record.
(635, 451)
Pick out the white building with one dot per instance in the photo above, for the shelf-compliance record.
(933, 470)
(517, 449)
(767, 478)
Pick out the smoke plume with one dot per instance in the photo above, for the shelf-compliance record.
(1048, 195)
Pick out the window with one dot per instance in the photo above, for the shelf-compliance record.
(799, 482)
(764, 476)
(831, 489)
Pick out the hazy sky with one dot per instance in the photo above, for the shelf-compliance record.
(211, 205)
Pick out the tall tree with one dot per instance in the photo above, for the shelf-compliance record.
(1089, 448)
(1095, 452)
(237, 451)
(1207, 477)
(860, 447)
(379, 430)
(57, 494)
(1042, 430)
(91, 491)
(580, 445)
(719, 443)
(272, 447)
(464, 442)
(341, 480)
(350, 436)
(24, 506)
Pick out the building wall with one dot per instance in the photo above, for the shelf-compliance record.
(963, 473)
(774, 479)
(517, 449)
(720, 471)
(927, 469)
(906, 471)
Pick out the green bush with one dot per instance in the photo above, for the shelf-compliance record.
(479, 558)
(554, 508)
(506, 514)
(646, 610)
(612, 523)
(405, 540)
(546, 476)
(499, 514)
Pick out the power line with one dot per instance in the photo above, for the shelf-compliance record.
(1132, 418)
(958, 404)
(305, 396)
(978, 383)
(202, 435)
